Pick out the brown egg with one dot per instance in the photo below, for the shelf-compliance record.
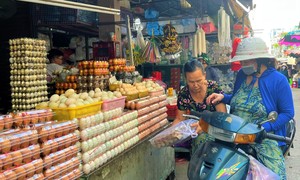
(41, 117)
(55, 158)
(18, 119)
(54, 146)
(46, 148)
(77, 173)
(58, 130)
(65, 177)
(2, 176)
(15, 142)
(10, 175)
(43, 135)
(30, 169)
(25, 140)
(49, 115)
(27, 156)
(7, 161)
(38, 164)
(1, 166)
(1, 123)
(8, 121)
(26, 119)
(62, 157)
(67, 141)
(17, 158)
(51, 132)
(35, 151)
(34, 138)
(20, 173)
(47, 162)
(5, 145)
(49, 174)
(56, 172)
(34, 118)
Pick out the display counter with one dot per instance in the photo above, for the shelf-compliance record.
(141, 161)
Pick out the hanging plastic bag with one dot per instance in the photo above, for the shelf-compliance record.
(175, 134)
(257, 171)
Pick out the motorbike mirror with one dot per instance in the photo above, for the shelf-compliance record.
(273, 115)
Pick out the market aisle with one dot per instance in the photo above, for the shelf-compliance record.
(292, 162)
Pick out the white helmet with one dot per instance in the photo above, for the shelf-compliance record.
(251, 48)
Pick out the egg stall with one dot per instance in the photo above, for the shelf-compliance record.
(120, 129)
(82, 131)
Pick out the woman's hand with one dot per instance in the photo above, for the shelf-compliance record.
(214, 98)
(198, 127)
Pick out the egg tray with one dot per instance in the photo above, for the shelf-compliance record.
(60, 157)
(57, 144)
(55, 172)
(93, 153)
(76, 112)
(151, 122)
(17, 158)
(23, 119)
(90, 121)
(92, 143)
(37, 176)
(156, 93)
(50, 131)
(75, 174)
(17, 140)
(24, 171)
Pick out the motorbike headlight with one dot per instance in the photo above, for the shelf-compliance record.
(227, 135)
(221, 134)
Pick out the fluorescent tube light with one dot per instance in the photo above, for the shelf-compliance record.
(75, 5)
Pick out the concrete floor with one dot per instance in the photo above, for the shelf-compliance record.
(292, 161)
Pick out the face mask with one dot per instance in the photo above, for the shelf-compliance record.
(248, 70)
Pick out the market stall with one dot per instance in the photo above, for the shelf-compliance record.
(82, 131)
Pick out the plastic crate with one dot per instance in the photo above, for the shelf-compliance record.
(172, 111)
(62, 114)
(143, 94)
(113, 104)
(132, 97)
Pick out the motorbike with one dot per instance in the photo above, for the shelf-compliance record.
(222, 158)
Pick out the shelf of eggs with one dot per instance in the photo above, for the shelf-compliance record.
(59, 150)
(119, 65)
(39, 148)
(92, 75)
(28, 73)
(19, 147)
(62, 87)
(105, 135)
(152, 114)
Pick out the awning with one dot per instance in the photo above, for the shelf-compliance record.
(239, 12)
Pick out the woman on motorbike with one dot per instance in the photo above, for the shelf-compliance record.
(258, 90)
(193, 96)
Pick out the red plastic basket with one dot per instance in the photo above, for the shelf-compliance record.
(172, 111)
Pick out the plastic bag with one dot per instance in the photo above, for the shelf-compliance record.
(175, 134)
(257, 171)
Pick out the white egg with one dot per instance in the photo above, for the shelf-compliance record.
(86, 168)
(90, 143)
(84, 135)
(92, 164)
(86, 157)
(85, 146)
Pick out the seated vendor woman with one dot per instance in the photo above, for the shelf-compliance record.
(193, 96)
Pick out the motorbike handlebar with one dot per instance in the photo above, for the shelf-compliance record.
(278, 138)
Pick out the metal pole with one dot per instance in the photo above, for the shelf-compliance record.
(129, 41)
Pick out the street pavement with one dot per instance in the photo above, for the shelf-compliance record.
(293, 161)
